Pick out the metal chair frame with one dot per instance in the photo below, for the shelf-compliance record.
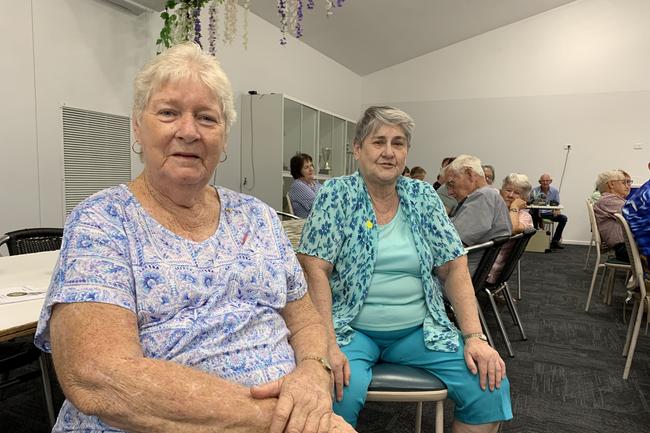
(638, 293)
(604, 262)
(32, 240)
(519, 242)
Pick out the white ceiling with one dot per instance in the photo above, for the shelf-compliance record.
(369, 35)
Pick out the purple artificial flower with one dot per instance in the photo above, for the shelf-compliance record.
(197, 25)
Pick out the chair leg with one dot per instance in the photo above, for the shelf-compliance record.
(591, 287)
(47, 388)
(513, 311)
(418, 417)
(630, 327)
(500, 323)
(635, 336)
(440, 413)
(481, 318)
(591, 244)
(519, 280)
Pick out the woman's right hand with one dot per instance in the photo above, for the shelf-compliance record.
(340, 368)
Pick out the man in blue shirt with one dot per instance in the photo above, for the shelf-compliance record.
(550, 196)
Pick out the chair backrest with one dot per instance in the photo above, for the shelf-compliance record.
(289, 205)
(517, 245)
(490, 251)
(34, 240)
(633, 253)
(595, 234)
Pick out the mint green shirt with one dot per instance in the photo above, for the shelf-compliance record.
(395, 297)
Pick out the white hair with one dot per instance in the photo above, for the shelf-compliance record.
(519, 181)
(466, 161)
(182, 61)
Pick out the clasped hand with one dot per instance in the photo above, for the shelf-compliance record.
(304, 401)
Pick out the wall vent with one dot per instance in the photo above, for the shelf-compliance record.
(96, 153)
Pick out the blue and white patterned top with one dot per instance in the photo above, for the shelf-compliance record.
(302, 197)
(212, 305)
(342, 229)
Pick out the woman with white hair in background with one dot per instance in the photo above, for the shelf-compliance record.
(514, 189)
(615, 186)
(179, 306)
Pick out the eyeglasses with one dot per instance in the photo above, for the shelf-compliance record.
(625, 181)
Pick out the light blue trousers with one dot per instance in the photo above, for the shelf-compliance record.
(406, 347)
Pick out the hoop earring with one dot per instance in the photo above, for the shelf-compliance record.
(133, 148)
(226, 158)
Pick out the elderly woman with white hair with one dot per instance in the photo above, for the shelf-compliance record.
(481, 213)
(514, 189)
(179, 306)
(615, 186)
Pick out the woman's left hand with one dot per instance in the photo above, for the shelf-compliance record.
(304, 399)
(481, 358)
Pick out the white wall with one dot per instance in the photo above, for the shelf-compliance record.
(85, 53)
(81, 53)
(295, 69)
(515, 96)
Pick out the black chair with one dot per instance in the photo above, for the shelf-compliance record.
(515, 248)
(35, 240)
(490, 250)
(17, 354)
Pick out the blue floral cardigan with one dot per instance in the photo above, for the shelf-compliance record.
(342, 229)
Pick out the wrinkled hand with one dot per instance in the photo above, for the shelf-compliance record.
(304, 400)
(481, 358)
(556, 212)
(340, 368)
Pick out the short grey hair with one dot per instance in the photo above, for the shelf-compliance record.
(519, 181)
(466, 161)
(607, 176)
(376, 116)
(183, 61)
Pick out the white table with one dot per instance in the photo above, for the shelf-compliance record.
(34, 270)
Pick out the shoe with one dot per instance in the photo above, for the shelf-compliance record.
(555, 245)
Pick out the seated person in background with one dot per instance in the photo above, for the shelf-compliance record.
(179, 306)
(637, 214)
(418, 173)
(368, 250)
(449, 202)
(489, 173)
(514, 189)
(617, 187)
(445, 162)
(481, 213)
(406, 172)
(549, 195)
(305, 186)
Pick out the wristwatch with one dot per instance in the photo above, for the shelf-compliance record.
(323, 361)
(478, 335)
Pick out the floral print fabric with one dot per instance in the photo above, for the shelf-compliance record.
(212, 305)
(342, 229)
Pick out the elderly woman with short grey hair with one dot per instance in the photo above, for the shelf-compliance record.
(368, 249)
(175, 305)
(615, 186)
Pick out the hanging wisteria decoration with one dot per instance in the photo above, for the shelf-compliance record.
(182, 20)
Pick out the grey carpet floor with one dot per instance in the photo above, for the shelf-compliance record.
(566, 378)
